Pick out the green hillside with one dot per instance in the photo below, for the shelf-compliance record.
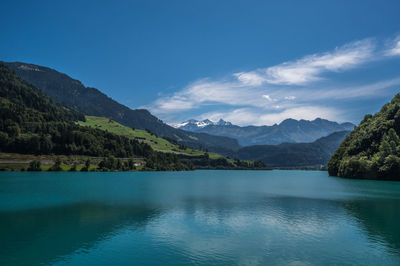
(157, 143)
(32, 123)
(372, 150)
(90, 101)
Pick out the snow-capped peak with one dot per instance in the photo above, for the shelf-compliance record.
(222, 122)
(201, 124)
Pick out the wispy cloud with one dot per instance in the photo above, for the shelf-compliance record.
(294, 89)
(394, 47)
(310, 68)
(252, 116)
(250, 78)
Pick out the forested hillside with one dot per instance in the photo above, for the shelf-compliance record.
(90, 101)
(31, 122)
(372, 150)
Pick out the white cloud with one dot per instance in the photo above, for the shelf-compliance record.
(252, 116)
(288, 90)
(250, 78)
(205, 92)
(395, 48)
(175, 103)
(290, 98)
(267, 97)
(344, 92)
(310, 68)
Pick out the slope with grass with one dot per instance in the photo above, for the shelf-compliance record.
(157, 143)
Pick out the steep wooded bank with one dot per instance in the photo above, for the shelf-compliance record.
(372, 150)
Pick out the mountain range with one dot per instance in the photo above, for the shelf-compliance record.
(292, 143)
(193, 125)
(32, 123)
(294, 155)
(289, 130)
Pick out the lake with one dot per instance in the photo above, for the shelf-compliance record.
(197, 218)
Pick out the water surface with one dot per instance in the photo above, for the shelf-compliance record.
(197, 218)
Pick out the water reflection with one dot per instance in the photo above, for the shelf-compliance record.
(45, 234)
(203, 218)
(379, 218)
(269, 230)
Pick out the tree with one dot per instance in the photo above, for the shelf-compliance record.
(74, 167)
(131, 164)
(372, 150)
(34, 166)
(87, 165)
(57, 165)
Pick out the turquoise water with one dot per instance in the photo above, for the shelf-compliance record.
(197, 218)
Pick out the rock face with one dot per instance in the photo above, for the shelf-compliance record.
(372, 150)
(289, 130)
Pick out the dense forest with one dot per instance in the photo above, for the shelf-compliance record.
(372, 150)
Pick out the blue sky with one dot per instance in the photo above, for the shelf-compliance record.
(249, 62)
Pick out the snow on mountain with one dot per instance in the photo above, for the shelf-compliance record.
(289, 130)
(192, 123)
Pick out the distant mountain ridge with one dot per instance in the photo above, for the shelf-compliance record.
(192, 124)
(289, 130)
(73, 94)
(294, 155)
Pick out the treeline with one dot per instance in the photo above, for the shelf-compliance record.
(222, 163)
(372, 150)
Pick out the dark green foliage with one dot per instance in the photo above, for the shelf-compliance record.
(57, 165)
(169, 162)
(34, 166)
(131, 164)
(74, 167)
(294, 155)
(87, 166)
(372, 150)
(90, 101)
(204, 162)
